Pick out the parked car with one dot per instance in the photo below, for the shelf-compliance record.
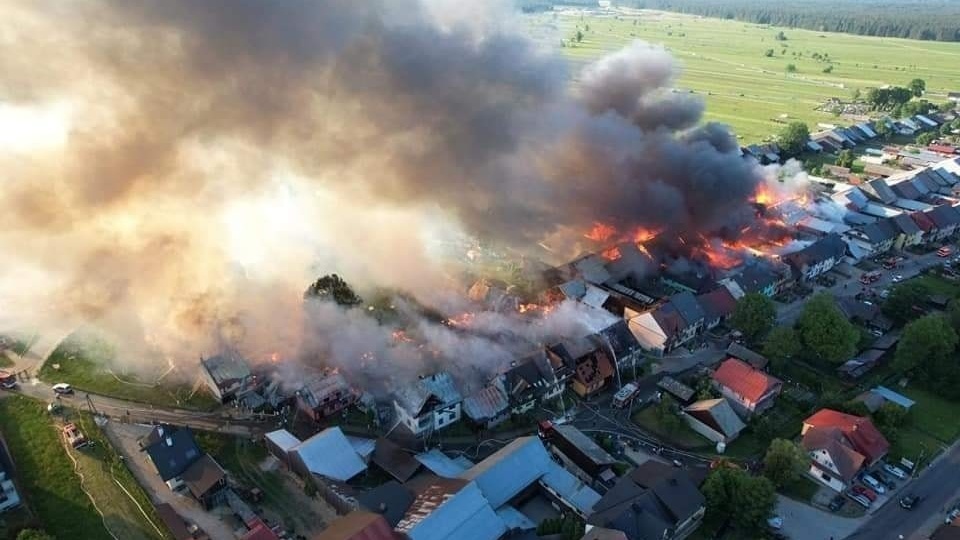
(884, 293)
(909, 501)
(837, 503)
(895, 471)
(885, 478)
(859, 499)
(897, 278)
(865, 491)
(874, 483)
(945, 251)
(62, 388)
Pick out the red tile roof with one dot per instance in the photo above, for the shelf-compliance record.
(260, 531)
(740, 377)
(859, 431)
(847, 460)
(923, 221)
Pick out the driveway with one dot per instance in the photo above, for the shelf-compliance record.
(804, 522)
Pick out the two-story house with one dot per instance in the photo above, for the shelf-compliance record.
(840, 445)
(749, 390)
(818, 258)
(325, 394)
(432, 403)
(669, 325)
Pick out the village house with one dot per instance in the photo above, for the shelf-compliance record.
(755, 359)
(654, 500)
(910, 233)
(578, 453)
(945, 218)
(449, 508)
(715, 419)
(527, 382)
(717, 305)
(358, 525)
(431, 403)
(750, 391)
(228, 376)
(818, 258)
(875, 238)
(585, 362)
(329, 456)
(668, 326)
(181, 464)
(487, 407)
(623, 346)
(324, 395)
(840, 446)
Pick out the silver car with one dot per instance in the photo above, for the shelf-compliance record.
(874, 483)
(895, 471)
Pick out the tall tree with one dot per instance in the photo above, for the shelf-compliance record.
(900, 306)
(332, 287)
(781, 345)
(784, 462)
(845, 158)
(793, 137)
(754, 315)
(825, 332)
(926, 343)
(747, 501)
(917, 87)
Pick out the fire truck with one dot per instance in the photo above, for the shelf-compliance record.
(625, 395)
(869, 277)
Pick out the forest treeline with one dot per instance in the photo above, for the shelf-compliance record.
(934, 20)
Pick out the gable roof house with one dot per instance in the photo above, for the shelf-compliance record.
(875, 238)
(328, 455)
(715, 419)
(206, 480)
(669, 325)
(750, 391)
(840, 445)
(228, 376)
(358, 525)
(946, 219)
(817, 258)
(624, 347)
(755, 359)
(910, 233)
(172, 450)
(717, 305)
(487, 407)
(432, 403)
(584, 361)
(324, 395)
(508, 475)
(579, 453)
(445, 508)
(529, 381)
(654, 501)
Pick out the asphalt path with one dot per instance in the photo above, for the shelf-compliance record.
(938, 487)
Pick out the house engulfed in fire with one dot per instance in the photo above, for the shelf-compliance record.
(517, 390)
(431, 404)
(324, 395)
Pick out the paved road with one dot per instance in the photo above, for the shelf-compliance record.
(938, 486)
(128, 411)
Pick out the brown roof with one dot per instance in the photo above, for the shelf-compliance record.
(173, 521)
(741, 378)
(394, 460)
(847, 460)
(860, 432)
(204, 474)
(358, 525)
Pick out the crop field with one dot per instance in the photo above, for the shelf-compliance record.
(726, 63)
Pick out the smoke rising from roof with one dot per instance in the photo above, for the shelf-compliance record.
(217, 156)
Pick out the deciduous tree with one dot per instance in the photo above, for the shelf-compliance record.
(793, 137)
(784, 462)
(781, 345)
(899, 305)
(825, 332)
(917, 87)
(747, 501)
(754, 315)
(332, 287)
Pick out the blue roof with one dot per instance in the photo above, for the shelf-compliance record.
(514, 520)
(465, 516)
(439, 464)
(521, 463)
(330, 454)
(172, 450)
(894, 397)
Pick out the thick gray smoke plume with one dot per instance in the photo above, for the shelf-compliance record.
(205, 160)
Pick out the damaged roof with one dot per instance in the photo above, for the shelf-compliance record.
(439, 386)
(226, 369)
(486, 404)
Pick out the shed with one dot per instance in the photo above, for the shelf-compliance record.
(894, 397)
(280, 442)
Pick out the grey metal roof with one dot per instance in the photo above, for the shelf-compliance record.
(486, 404)
(330, 454)
(283, 439)
(439, 464)
(688, 307)
(720, 412)
(882, 191)
(318, 387)
(440, 385)
(585, 444)
(226, 367)
(391, 500)
(467, 515)
(516, 466)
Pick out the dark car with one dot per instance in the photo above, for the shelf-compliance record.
(885, 478)
(837, 503)
(907, 502)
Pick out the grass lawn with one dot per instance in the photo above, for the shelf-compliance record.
(45, 472)
(5, 360)
(933, 414)
(801, 489)
(912, 443)
(939, 285)
(683, 436)
(127, 510)
(725, 62)
(87, 370)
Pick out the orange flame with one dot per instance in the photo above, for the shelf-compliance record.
(464, 319)
(611, 254)
(601, 232)
(401, 337)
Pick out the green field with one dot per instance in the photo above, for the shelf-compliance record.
(724, 61)
(87, 369)
(45, 472)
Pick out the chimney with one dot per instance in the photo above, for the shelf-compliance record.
(169, 441)
(160, 431)
(382, 508)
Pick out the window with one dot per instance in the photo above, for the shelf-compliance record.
(826, 477)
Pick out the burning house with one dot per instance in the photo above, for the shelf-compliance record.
(228, 376)
(585, 362)
(324, 395)
(668, 326)
(517, 390)
(432, 403)
(818, 258)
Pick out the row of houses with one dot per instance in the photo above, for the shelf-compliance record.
(510, 492)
